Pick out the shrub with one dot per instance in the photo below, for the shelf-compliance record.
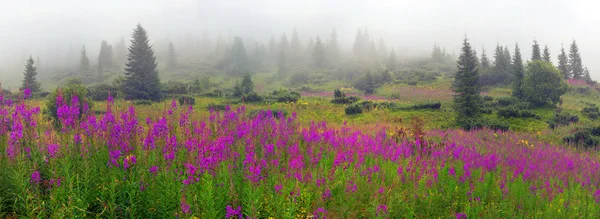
(337, 93)
(543, 83)
(284, 96)
(412, 83)
(186, 100)
(101, 92)
(73, 88)
(353, 109)
(472, 124)
(252, 97)
(587, 137)
(437, 105)
(488, 98)
(506, 101)
(213, 93)
(277, 113)
(175, 87)
(591, 111)
(216, 107)
(345, 100)
(562, 118)
(142, 102)
(515, 112)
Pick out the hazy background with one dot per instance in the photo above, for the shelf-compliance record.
(48, 29)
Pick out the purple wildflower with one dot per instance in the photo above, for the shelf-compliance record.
(461, 216)
(232, 213)
(36, 178)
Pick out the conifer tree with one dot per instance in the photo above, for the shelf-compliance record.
(586, 75)
(575, 63)
(392, 60)
(318, 55)
(239, 57)
(247, 84)
(105, 57)
(120, 53)
(502, 66)
(333, 49)
(29, 79)
(563, 64)
(547, 57)
(466, 86)
(172, 58)
(296, 50)
(535, 51)
(369, 84)
(84, 62)
(282, 62)
(485, 62)
(519, 73)
(141, 78)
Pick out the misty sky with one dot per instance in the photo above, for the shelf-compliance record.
(43, 27)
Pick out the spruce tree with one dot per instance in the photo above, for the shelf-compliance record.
(519, 73)
(392, 61)
(485, 62)
(535, 51)
(547, 57)
(282, 62)
(141, 78)
(120, 53)
(172, 58)
(29, 79)
(239, 57)
(575, 64)
(84, 62)
(502, 66)
(369, 84)
(563, 64)
(467, 99)
(296, 50)
(586, 75)
(247, 84)
(105, 57)
(333, 49)
(318, 55)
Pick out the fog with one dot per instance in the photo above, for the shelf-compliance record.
(53, 29)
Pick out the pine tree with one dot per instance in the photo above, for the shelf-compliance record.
(575, 63)
(563, 64)
(172, 58)
(333, 49)
(586, 75)
(310, 47)
(29, 80)
(237, 90)
(437, 54)
(141, 78)
(120, 53)
(535, 51)
(247, 84)
(547, 57)
(369, 84)
(318, 55)
(382, 49)
(105, 57)
(466, 85)
(296, 50)
(485, 62)
(392, 60)
(519, 74)
(502, 66)
(239, 57)
(282, 62)
(84, 62)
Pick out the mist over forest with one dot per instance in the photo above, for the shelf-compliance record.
(54, 32)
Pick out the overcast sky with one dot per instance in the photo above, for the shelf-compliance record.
(42, 27)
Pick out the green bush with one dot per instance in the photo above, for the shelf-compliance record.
(337, 93)
(587, 137)
(562, 118)
(591, 111)
(516, 112)
(73, 88)
(353, 109)
(213, 93)
(437, 105)
(493, 124)
(252, 97)
(186, 100)
(277, 113)
(284, 96)
(543, 83)
(101, 92)
(174, 87)
(142, 102)
(345, 100)
(216, 107)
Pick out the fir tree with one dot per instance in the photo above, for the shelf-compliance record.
(120, 53)
(437, 55)
(318, 55)
(502, 66)
(369, 84)
(575, 63)
(282, 62)
(239, 57)
(105, 57)
(296, 50)
(84, 62)
(392, 60)
(547, 57)
(563, 64)
(247, 84)
(333, 49)
(519, 74)
(172, 58)
(485, 62)
(535, 51)
(141, 78)
(586, 75)
(466, 85)
(29, 81)
(237, 90)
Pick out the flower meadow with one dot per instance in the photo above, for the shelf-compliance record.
(233, 165)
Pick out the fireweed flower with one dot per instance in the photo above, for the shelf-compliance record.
(185, 207)
(36, 178)
(232, 213)
(320, 213)
(129, 161)
(26, 93)
(461, 216)
(153, 169)
(382, 209)
(52, 150)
